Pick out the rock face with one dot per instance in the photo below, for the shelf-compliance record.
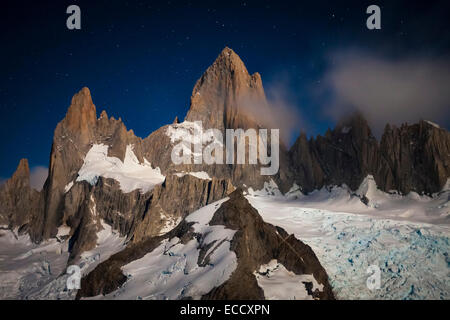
(346, 154)
(18, 200)
(410, 158)
(418, 156)
(73, 138)
(176, 198)
(254, 243)
(70, 144)
(86, 206)
(220, 100)
(219, 95)
(135, 215)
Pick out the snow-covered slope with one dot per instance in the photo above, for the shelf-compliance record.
(130, 173)
(175, 269)
(109, 242)
(26, 267)
(370, 200)
(37, 271)
(413, 257)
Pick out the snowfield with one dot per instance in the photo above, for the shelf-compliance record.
(130, 173)
(31, 271)
(412, 255)
(26, 268)
(172, 270)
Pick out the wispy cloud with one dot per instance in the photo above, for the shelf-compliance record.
(280, 112)
(38, 175)
(388, 90)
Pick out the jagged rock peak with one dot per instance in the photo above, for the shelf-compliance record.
(228, 60)
(22, 172)
(18, 201)
(20, 177)
(82, 112)
(103, 115)
(220, 95)
(237, 195)
(228, 63)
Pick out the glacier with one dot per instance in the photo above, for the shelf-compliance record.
(348, 236)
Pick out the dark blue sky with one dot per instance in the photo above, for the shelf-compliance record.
(141, 59)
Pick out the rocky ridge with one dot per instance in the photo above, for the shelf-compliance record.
(254, 243)
(410, 158)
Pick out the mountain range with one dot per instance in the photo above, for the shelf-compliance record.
(102, 173)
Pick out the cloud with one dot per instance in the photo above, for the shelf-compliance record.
(278, 113)
(388, 90)
(38, 175)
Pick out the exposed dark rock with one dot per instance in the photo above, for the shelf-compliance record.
(72, 139)
(176, 198)
(18, 201)
(411, 158)
(135, 215)
(418, 156)
(346, 154)
(257, 242)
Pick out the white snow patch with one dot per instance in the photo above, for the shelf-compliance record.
(68, 187)
(369, 189)
(190, 133)
(63, 230)
(170, 223)
(433, 124)
(446, 186)
(130, 174)
(346, 130)
(270, 189)
(294, 192)
(280, 284)
(198, 174)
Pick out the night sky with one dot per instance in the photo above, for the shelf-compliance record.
(141, 59)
